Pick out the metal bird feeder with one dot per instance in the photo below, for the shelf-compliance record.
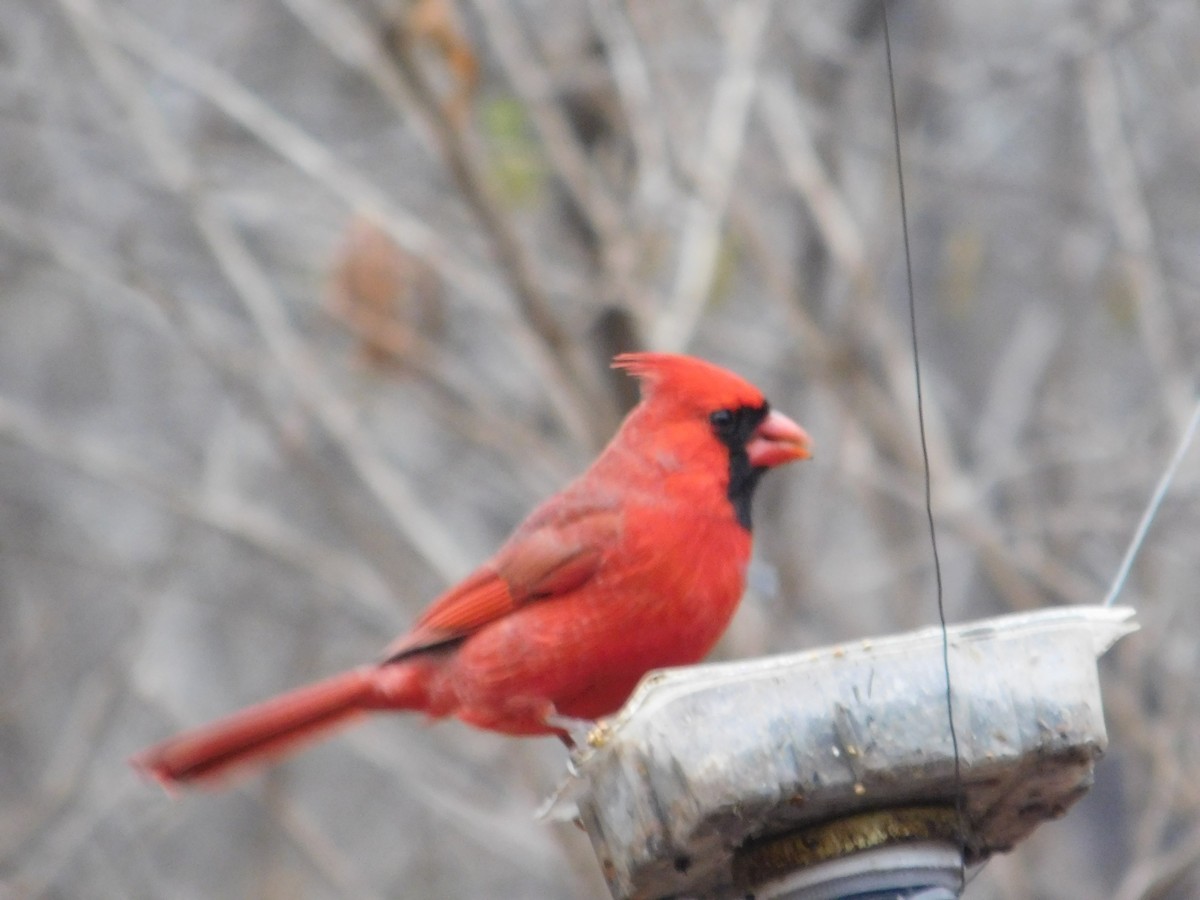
(831, 773)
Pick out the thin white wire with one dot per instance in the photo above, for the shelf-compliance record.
(1160, 492)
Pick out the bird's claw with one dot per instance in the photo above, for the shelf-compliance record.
(582, 737)
(577, 732)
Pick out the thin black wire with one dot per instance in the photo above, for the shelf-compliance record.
(912, 320)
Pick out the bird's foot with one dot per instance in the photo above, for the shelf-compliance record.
(581, 736)
(580, 733)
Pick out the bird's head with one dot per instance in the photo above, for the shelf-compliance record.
(702, 413)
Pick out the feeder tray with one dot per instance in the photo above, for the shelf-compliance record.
(715, 780)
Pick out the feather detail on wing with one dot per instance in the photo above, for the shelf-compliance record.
(559, 554)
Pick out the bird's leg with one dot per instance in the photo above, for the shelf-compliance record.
(582, 737)
(575, 733)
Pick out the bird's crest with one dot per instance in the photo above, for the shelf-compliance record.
(687, 379)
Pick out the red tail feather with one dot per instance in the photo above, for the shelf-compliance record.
(267, 730)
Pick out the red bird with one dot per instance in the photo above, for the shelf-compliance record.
(638, 564)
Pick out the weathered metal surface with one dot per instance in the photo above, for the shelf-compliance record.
(703, 759)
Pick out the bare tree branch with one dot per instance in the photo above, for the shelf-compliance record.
(315, 159)
(396, 497)
(781, 110)
(1135, 230)
(229, 514)
(716, 166)
(569, 371)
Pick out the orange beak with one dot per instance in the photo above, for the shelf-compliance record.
(777, 440)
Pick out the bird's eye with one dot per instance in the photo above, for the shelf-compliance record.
(721, 419)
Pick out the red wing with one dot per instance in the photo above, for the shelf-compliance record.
(557, 555)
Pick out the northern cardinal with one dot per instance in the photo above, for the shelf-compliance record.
(636, 565)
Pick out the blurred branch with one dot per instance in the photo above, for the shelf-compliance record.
(25, 827)
(66, 835)
(780, 107)
(462, 402)
(569, 370)
(356, 43)
(338, 868)
(1013, 392)
(1151, 877)
(562, 148)
(230, 515)
(459, 400)
(601, 210)
(1134, 228)
(423, 531)
(1061, 44)
(1009, 569)
(716, 165)
(433, 783)
(320, 163)
(119, 28)
(643, 114)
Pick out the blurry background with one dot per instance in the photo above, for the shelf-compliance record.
(306, 302)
